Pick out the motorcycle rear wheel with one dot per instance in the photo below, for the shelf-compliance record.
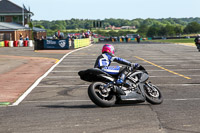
(153, 94)
(100, 99)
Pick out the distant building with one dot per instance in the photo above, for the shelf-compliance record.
(12, 31)
(128, 27)
(118, 28)
(10, 12)
(14, 22)
(39, 33)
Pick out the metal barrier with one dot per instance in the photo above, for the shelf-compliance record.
(78, 43)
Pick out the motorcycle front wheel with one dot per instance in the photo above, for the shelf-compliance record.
(153, 94)
(100, 98)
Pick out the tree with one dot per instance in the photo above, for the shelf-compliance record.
(153, 31)
(192, 27)
(143, 29)
(162, 31)
(55, 27)
(135, 23)
(39, 26)
(61, 24)
(169, 30)
(178, 29)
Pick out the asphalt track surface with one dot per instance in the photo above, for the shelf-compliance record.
(59, 104)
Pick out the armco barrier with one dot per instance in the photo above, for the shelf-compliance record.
(78, 43)
(2, 44)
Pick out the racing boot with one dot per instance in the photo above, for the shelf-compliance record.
(120, 81)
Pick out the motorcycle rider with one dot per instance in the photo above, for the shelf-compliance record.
(104, 60)
(197, 42)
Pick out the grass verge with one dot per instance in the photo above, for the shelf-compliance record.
(190, 40)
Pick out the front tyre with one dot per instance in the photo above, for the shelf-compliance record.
(153, 94)
(98, 97)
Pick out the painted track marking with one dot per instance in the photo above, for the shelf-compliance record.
(163, 68)
(84, 100)
(20, 99)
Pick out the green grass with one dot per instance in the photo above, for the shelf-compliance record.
(191, 40)
(4, 103)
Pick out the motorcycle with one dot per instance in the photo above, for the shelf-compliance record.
(104, 91)
(198, 47)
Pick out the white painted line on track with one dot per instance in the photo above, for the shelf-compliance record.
(79, 59)
(86, 85)
(178, 84)
(174, 61)
(184, 99)
(65, 71)
(159, 65)
(177, 70)
(149, 70)
(57, 77)
(60, 86)
(72, 101)
(75, 77)
(174, 76)
(58, 101)
(92, 66)
(161, 60)
(74, 66)
(42, 77)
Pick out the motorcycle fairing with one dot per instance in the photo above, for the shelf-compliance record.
(133, 95)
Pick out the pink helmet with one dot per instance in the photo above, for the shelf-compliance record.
(107, 48)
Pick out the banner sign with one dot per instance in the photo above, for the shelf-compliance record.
(56, 44)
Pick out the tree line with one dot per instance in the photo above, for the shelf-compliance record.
(146, 27)
(169, 30)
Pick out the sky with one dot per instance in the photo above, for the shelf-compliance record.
(101, 9)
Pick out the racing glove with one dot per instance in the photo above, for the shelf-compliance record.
(135, 65)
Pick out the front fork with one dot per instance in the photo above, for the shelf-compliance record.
(142, 89)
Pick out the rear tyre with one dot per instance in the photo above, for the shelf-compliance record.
(101, 99)
(153, 94)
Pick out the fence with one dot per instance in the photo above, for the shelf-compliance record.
(61, 44)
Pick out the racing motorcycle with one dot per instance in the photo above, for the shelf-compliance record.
(104, 91)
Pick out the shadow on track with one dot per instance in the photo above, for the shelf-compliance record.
(90, 106)
(69, 106)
